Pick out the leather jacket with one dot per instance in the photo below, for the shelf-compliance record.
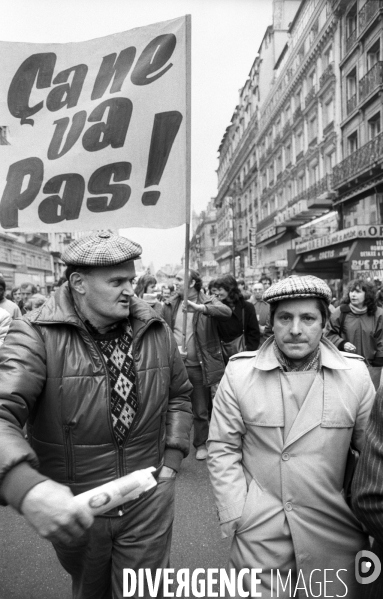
(53, 375)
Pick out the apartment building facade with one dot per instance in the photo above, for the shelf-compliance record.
(317, 141)
(356, 247)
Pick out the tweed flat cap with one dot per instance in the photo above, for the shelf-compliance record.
(298, 287)
(101, 249)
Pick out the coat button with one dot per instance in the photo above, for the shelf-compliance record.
(288, 506)
(285, 456)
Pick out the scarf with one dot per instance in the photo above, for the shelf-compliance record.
(312, 361)
(355, 310)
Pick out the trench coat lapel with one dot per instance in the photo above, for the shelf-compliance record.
(310, 414)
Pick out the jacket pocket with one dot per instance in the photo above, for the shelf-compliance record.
(69, 453)
(249, 512)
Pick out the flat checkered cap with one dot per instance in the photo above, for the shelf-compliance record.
(298, 287)
(101, 249)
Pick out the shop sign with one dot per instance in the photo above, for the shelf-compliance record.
(209, 263)
(356, 232)
(327, 254)
(266, 234)
(367, 259)
(281, 263)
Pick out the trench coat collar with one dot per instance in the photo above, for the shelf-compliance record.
(265, 358)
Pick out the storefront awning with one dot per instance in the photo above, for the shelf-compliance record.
(271, 239)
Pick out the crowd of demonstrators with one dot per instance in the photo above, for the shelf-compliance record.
(202, 355)
(306, 401)
(243, 322)
(356, 326)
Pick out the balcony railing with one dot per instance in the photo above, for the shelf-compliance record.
(311, 95)
(359, 161)
(368, 12)
(351, 104)
(371, 81)
(326, 75)
(350, 41)
(320, 187)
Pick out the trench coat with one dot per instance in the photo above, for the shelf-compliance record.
(284, 497)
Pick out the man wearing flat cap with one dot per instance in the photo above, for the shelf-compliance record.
(99, 379)
(282, 423)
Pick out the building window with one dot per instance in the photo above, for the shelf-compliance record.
(329, 161)
(352, 142)
(288, 154)
(298, 99)
(313, 128)
(351, 21)
(279, 164)
(299, 142)
(314, 173)
(327, 58)
(351, 90)
(365, 211)
(328, 112)
(374, 126)
(373, 55)
(301, 182)
(311, 81)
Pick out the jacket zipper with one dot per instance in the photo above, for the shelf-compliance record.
(120, 449)
(69, 453)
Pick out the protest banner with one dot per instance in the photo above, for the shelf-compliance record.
(96, 134)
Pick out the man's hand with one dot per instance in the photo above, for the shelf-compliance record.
(167, 472)
(49, 508)
(349, 347)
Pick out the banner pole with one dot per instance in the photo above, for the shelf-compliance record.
(186, 286)
(188, 174)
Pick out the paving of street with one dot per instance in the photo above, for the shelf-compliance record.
(29, 568)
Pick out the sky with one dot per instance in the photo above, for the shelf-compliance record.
(226, 35)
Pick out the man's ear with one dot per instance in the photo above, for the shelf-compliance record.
(76, 281)
(191, 283)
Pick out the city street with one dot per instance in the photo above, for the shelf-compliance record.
(29, 568)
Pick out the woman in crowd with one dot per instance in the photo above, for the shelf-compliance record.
(243, 319)
(145, 289)
(357, 326)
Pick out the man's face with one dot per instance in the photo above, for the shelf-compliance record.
(258, 291)
(2, 292)
(26, 293)
(107, 292)
(179, 282)
(266, 283)
(297, 327)
(166, 293)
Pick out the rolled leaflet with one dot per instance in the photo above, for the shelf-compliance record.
(118, 491)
